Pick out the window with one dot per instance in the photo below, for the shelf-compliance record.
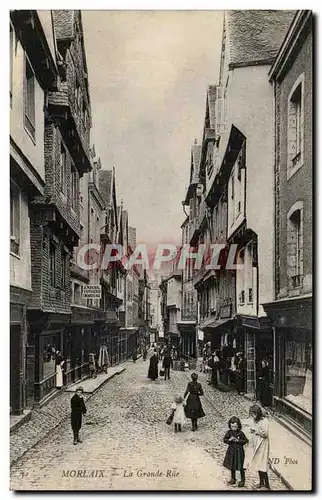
(298, 368)
(295, 127)
(11, 61)
(14, 218)
(63, 164)
(74, 188)
(29, 98)
(295, 246)
(52, 264)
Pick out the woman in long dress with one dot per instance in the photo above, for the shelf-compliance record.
(153, 367)
(59, 372)
(257, 452)
(193, 408)
(264, 388)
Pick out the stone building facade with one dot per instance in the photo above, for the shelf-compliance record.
(33, 72)
(55, 216)
(291, 308)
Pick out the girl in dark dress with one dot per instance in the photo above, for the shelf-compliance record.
(193, 408)
(235, 456)
(153, 368)
(78, 410)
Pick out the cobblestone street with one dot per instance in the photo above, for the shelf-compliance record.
(125, 436)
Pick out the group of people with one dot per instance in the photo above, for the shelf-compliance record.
(216, 367)
(187, 407)
(167, 364)
(243, 454)
(256, 456)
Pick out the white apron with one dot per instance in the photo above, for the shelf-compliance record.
(59, 376)
(257, 450)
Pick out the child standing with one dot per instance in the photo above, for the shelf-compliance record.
(234, 459)
(179, 418)
(257, 454)
(78, 410)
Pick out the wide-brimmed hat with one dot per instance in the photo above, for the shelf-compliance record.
(80, 388)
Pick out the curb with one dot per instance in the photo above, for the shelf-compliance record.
(22, 422)
(61, 421)
(281, 477)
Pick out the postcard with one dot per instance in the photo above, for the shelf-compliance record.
(161, 250)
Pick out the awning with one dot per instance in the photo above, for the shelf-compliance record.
(214, 323)
(262, 323)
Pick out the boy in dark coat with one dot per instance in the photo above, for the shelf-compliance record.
(78, 410)
(235, 456)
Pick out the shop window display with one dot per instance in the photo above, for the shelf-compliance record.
(298, 369)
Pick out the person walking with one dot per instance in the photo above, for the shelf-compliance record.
(144, 353)
(167, 364)
(134, 355)
(193, 408)
(179, 418)
(257, 452)
(235, 455)
(153, 367)
(78, 410)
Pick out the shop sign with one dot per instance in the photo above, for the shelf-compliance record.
(92, 292)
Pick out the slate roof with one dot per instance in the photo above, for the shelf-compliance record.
(106, 186)
(256, 35)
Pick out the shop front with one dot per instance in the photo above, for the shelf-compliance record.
(45, 338)
(18, 336)
(188, 336)
(255, 341)
(82, 337)
(293, 357)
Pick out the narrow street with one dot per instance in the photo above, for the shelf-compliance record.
(125, 438)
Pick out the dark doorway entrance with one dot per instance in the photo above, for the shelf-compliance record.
(16, 386)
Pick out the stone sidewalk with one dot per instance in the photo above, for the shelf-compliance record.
(46, 419)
